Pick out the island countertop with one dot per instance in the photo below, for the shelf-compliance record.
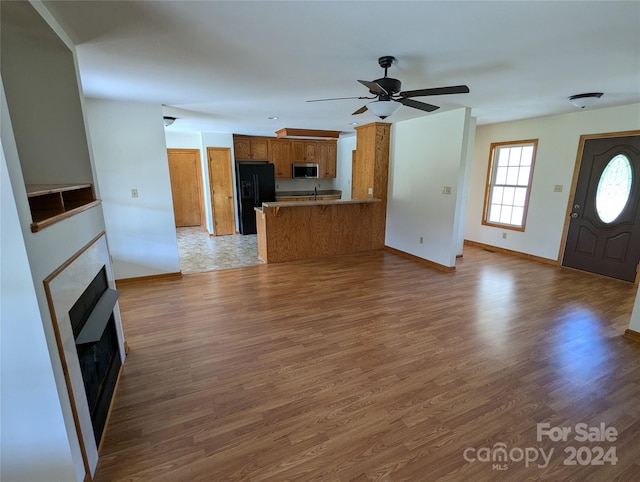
(277, 204)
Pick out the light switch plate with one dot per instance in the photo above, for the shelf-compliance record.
(134, 193)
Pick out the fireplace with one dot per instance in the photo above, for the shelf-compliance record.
(96, 341)
(88, 331)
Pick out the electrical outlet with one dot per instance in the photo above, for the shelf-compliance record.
(446, 190)
(421, 240)
(557, 188)
(504, 235)
(370, 191)
(134, 193)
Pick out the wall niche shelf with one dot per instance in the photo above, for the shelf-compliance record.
(51, 203)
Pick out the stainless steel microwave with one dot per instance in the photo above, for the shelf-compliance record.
(304, 170)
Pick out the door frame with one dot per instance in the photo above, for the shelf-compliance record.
(203, 220)
(213, 210)
(574, 183)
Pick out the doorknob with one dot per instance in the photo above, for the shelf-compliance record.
(574, 215)
(229, 197)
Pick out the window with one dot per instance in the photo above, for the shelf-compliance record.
(614, 188)
(509, 184)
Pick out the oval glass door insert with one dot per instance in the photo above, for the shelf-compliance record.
(614, 188)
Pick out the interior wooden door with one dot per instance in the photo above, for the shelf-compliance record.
(604, 224)
(186, 186)
(221, 182)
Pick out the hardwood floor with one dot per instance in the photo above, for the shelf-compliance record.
(373, 367)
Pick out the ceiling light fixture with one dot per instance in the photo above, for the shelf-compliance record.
(273, 117)
(584, 100)
(383, 108)
(168, 120)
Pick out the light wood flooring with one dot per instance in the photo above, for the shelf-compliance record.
(373, 367)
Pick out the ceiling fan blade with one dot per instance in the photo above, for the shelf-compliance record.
(339, 98)
(418, 105)
(374, 87)
(360, 110)
(454, 89)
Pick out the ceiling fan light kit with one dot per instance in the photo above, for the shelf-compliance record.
(383, 108)
(584, 100)
(389, 97)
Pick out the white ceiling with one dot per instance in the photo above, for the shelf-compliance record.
(226, 66)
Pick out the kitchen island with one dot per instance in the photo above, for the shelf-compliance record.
(294, 230)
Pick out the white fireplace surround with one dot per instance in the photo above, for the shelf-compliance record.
(63, 287)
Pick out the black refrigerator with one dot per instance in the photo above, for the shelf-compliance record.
(255, 184)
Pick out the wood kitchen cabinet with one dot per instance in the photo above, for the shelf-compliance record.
(280, 157)
(304, 150)
(322, 152)
(250, 148)
(371, 170)
(371, 164)
(283, 152)
(327, 158)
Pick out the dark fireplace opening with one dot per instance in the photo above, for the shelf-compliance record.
(94, 330)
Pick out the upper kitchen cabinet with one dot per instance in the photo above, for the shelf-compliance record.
(322, 152)
(304, 150)
(283, 152)
(327, 158)
(249, 148)
(280, 156)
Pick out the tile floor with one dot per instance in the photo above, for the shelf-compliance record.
(200, 252)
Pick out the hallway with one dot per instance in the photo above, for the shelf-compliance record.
(199, 252)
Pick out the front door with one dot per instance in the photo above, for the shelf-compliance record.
(186, 182)
(221, 182)
(604, 226)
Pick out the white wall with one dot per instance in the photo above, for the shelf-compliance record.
(464, 179)
(33, 437)
(42, 93)
(55, 453)
(129, 149)
(634, 324)
(558, 138)
(346, 145)
(427, 154)
(182, 140)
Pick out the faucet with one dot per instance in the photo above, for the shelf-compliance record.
(315, 193)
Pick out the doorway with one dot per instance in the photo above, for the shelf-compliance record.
(197, 250)
(603, 233)
(186, 187)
